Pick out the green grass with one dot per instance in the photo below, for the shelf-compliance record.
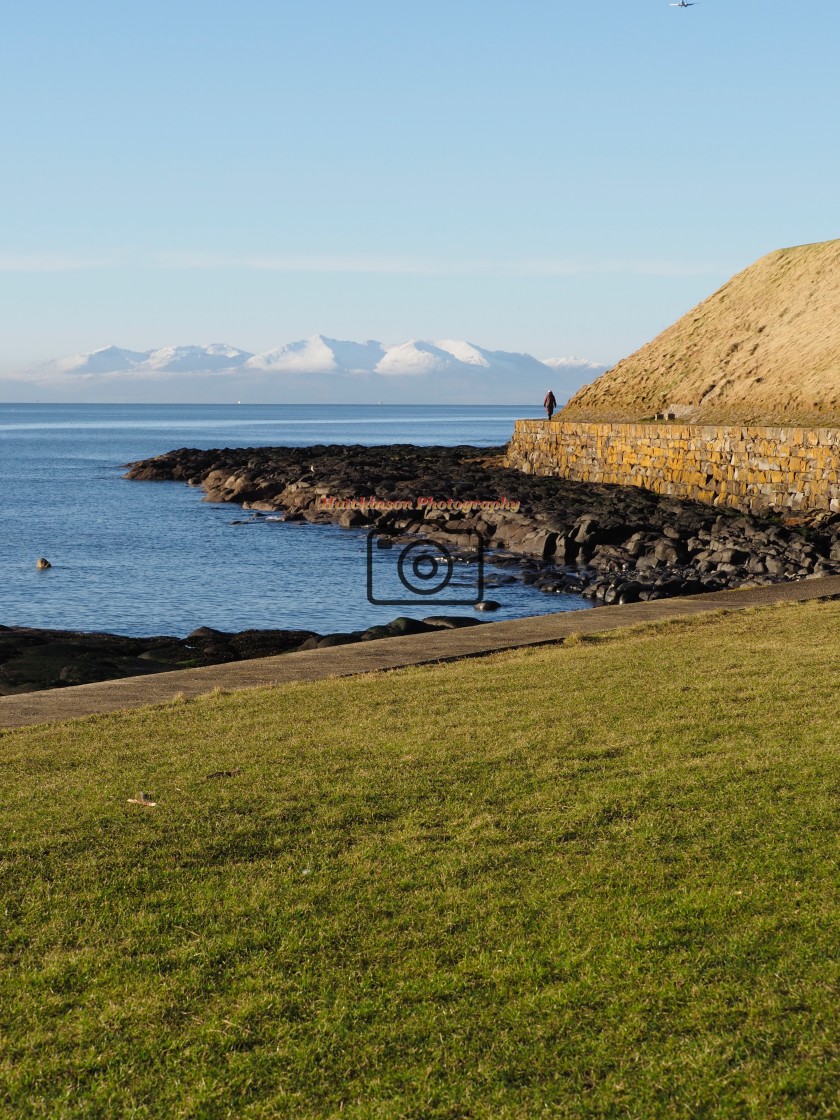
(591, 881)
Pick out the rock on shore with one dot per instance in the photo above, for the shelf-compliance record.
(608, 543)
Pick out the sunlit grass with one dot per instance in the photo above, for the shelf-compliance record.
(591, 881)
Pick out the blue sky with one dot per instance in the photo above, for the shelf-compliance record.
(562, 178)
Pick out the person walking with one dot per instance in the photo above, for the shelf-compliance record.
(550, 403)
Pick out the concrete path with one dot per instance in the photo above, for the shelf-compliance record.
(386, 653)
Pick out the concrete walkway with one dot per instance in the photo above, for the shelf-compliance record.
(386, 653)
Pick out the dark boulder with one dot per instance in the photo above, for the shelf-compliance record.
(450, 621)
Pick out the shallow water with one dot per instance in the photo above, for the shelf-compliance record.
(145, 558)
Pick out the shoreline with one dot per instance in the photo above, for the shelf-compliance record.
(33, 659)
(608, 543)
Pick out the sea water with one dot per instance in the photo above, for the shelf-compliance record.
(147, 558)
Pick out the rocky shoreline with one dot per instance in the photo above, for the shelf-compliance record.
(611, 544)
(32, 659)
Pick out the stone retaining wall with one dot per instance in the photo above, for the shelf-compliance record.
(749, 468)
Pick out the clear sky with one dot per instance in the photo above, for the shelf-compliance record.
(559, 177)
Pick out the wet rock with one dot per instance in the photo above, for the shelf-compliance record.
(541, 544)
(710, 584)
(248, 644)
(175, 654)
(551, 583)
(499, 581)
(597, 590)
(374, 632)
(403, 625)
(585, 530)
(33, 659)
(629, 592)
(450, 621)
(336, 640)
(566, 550)
(205, 634)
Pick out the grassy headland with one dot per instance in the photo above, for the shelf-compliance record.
(763, 349)
(590, 881)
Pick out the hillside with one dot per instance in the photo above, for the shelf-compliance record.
(765, 348)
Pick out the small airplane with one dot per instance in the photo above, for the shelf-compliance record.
(684, 4)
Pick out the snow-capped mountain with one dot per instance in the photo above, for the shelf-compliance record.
(110, 360)
(185, 359)
(311, 370)
(573, 365)
(168, 359)
(320, 355)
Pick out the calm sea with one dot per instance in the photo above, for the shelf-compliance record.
(151, 558)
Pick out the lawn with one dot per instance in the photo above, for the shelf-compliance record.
(596, 880)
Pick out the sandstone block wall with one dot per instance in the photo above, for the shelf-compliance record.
(750, 468)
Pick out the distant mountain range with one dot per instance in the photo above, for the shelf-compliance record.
(313, 370)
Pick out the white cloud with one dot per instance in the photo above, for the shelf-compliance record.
(292, 263)
(50, 262)
(417, 267)
(335, 264)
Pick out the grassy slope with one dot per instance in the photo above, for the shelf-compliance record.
(593, 881)
(764, 348)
